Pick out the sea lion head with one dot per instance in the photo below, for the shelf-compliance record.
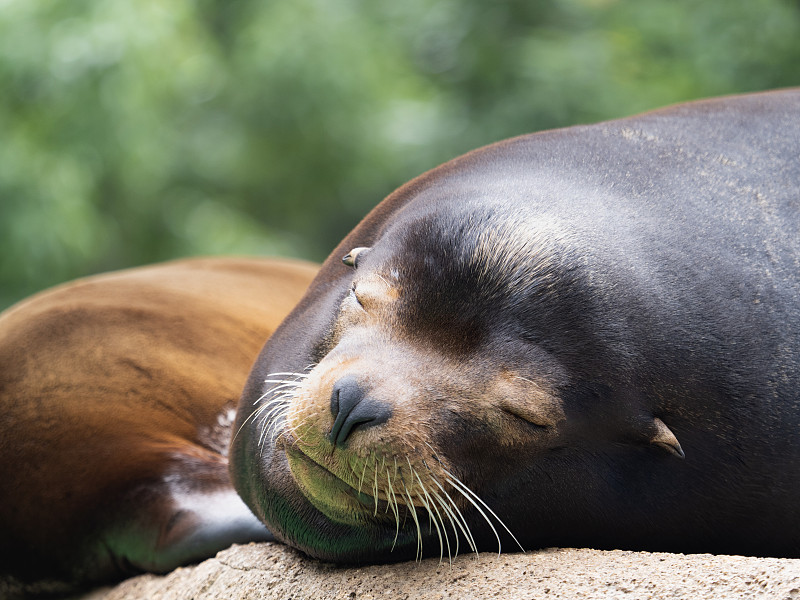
(439, 375)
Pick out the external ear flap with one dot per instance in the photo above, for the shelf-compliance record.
(351, 258)
(664, 438)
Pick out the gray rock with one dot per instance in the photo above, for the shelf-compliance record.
(266, 571)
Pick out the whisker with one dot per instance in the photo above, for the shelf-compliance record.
(238, 431)
(459, 518)
(270, 430)
(273, 405)
(280, 401)
(361, 483)
(428, 503)
(251, 416)
(289, 374)
(393, 504)
(412, 509)
(285, 382)
(483, 514)
(475, 500)
(274, 417)
(450, 517)
(375, 488)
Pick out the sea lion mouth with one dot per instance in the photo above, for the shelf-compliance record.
(343, 503)
(328, 492)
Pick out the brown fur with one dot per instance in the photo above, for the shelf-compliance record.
(113, 382)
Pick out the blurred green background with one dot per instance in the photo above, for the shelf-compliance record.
(140, 130)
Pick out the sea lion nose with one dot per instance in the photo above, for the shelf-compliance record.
(351, 407)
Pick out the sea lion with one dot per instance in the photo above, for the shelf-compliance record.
(581, 337)
(116, 393)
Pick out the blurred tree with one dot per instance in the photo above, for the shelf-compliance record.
(139, 131)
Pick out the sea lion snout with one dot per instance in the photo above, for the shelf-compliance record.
(351, 407)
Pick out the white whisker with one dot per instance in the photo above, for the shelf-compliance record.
(427, 501)
(375, 488)
(413, 511)
(393, 503)
(477, 503)
(459, 518)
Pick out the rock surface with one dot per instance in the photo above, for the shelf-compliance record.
(267, 571)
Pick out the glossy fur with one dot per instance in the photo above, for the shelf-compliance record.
(555, 320)
(117, 394)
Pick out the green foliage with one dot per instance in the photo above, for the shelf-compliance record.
(143, 130)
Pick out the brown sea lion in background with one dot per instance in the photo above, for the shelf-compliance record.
(582, 337)
(116, 397)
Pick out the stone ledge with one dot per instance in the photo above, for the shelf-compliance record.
(267, 571)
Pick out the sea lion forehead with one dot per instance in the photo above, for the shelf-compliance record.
(480, 243)
(456, 275)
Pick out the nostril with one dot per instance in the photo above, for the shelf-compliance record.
(350, 407)
(346, 394)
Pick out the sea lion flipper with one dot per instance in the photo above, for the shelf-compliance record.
(205, 523)
(178, 528)
(664, 438)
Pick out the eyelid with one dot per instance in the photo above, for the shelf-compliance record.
(371, 293)
(355, 296)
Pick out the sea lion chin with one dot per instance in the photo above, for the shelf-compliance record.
(582, 337)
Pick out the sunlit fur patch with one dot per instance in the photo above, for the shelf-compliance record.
(402, 480)
(218, 436)
(514, 250)
(375, 289)
(489, 251)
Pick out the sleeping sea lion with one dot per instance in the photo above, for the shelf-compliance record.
(581, 337)
(117, 393)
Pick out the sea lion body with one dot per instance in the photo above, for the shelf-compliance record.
(116, 395)
(581, 337)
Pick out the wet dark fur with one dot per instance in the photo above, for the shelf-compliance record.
(661, 279)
